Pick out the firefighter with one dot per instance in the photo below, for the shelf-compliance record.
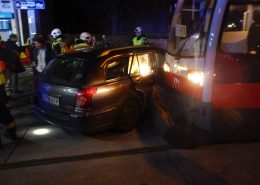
(85, 40)
(59, 46)
(5, 116)
(139, 38)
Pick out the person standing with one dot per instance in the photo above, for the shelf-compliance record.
(139, 38)
(5, 116)
(59, 46)
(42, 54)
(17, 67)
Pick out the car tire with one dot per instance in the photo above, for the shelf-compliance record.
(128, 116)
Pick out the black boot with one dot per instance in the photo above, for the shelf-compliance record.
(11, 134)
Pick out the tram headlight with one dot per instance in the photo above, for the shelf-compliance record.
(196, 77)
(166, 67)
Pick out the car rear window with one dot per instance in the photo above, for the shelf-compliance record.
(67, 71)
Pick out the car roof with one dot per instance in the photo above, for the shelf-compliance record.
(127, 49)
(93, 52)
(84, 53)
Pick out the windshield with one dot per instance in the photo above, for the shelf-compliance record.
(188, 32)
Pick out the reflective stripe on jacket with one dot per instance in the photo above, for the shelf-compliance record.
(81, 45)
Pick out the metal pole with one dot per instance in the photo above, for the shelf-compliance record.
(20, 24)
(16, 26)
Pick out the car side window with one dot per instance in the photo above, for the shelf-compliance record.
(117, 68)
(141, 64)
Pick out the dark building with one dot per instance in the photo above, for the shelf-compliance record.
(112, 17)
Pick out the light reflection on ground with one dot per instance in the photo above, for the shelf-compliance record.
(41, 131)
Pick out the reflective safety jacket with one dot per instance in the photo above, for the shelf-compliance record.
(59, 46)
(24, 57)
(2, 75)
(139, 41)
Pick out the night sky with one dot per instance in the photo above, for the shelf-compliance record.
(111, 17)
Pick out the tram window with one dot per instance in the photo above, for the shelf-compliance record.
(234, 18)
(237, 58)
(187, 36)
(237, 23)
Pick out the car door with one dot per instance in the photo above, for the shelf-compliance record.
(116, 87)
(141, 72)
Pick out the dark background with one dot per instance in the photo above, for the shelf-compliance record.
(108, 17)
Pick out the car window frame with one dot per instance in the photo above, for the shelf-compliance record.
(111, 59)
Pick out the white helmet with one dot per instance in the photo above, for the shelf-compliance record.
(138, 29)
(55, 32)
(85, 36)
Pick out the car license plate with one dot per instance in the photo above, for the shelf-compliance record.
(52, 100)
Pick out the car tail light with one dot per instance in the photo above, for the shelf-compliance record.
(84, 97)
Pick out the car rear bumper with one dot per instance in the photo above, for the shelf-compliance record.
(81, 123)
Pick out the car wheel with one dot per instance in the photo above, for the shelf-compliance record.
(128, 116)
